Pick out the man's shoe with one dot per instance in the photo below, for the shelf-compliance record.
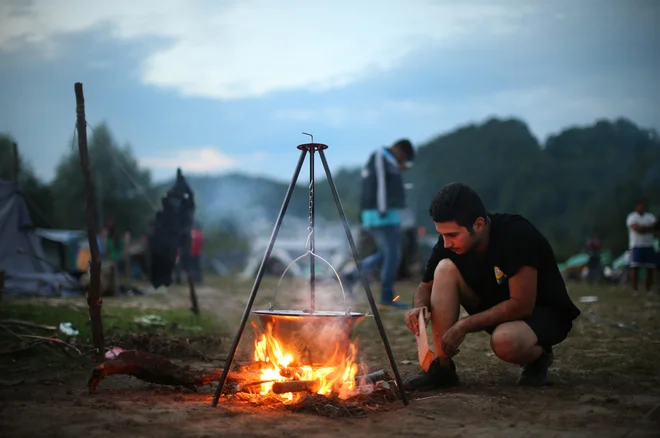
(536, 373)
(438, 376)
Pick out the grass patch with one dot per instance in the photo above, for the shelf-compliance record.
(173, 333)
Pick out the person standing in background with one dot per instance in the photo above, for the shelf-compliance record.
(594, 264)
(383, 195)
(641, 225)
(196, 244)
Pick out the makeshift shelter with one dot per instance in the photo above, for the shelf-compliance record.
(26, 270)
(580, 260)
(64, 248)
(171, 232)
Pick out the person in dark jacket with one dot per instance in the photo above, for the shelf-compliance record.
(383, 195)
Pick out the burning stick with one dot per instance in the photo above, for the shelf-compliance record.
(253, 366)
(296, 386)
(374, 377)
(245, 387)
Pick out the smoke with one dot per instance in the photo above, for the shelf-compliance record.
(234, 200)
(247, 207)
(297, 295)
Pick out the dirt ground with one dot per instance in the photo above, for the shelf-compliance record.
(605, 382)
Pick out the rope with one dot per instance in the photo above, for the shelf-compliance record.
(74, 136)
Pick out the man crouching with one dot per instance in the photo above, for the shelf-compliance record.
(502, 270)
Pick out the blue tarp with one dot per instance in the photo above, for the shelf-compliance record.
(61, 236)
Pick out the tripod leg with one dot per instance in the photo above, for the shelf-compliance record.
(365, 281)
(257, 281)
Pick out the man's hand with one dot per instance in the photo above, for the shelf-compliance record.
(453, 339)
(412, 319)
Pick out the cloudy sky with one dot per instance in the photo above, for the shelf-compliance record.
(224, 85)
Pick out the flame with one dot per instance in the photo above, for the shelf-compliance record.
(338, 376)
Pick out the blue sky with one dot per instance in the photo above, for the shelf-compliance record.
(219, 86)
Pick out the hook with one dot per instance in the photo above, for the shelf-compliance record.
(304, 133)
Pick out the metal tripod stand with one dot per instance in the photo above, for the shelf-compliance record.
(311, 149)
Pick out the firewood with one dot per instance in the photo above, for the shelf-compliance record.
(296, 386)
(155, 369)
(372, 377)
(253, 366)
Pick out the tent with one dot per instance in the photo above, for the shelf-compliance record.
(581, 259)
(21, 255)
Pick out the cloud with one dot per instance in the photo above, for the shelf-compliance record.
(198, 160)
(250, 48)
(331, 116)
(359, 114)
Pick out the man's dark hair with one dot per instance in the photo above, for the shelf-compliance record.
(458, 203)
(406, 147)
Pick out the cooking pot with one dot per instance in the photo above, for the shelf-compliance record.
(313, 338)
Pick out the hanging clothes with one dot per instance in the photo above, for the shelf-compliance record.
(171, 231)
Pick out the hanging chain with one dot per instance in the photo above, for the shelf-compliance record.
(310, 226)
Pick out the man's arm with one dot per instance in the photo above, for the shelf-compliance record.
(520, 305)
(422, 295)
(635, 226)
(643, 228)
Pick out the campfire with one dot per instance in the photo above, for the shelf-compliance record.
(302, 353)
(284, 374)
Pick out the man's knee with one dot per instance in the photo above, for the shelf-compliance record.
(449, 276)
(512, 340)
(447, 269)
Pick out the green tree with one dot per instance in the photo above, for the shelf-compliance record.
(123, 190)
(37, 194)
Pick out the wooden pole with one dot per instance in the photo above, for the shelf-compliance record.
(193, 294)
(93, 294)
(15, 165)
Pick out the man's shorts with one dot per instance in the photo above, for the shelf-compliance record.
(544, 322)
(643, 257)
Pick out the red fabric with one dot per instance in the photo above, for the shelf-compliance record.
(196, 244)
(593, 244)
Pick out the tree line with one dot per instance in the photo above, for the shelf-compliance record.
(577, 181)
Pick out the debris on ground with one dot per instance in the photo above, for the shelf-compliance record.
(169, 346)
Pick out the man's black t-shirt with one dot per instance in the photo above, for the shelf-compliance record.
(514, 242)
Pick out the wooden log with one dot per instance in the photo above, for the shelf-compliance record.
(156, 369)
(193, 294)
(93, 293)
(253, 366)
(295, 386)
(373, 377)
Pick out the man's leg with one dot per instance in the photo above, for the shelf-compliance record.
(529, 343)
(636, 261)
(370, 265)
(449, 292)
(650, 273)
(388, 242)
(515, 342)
(634, 273)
